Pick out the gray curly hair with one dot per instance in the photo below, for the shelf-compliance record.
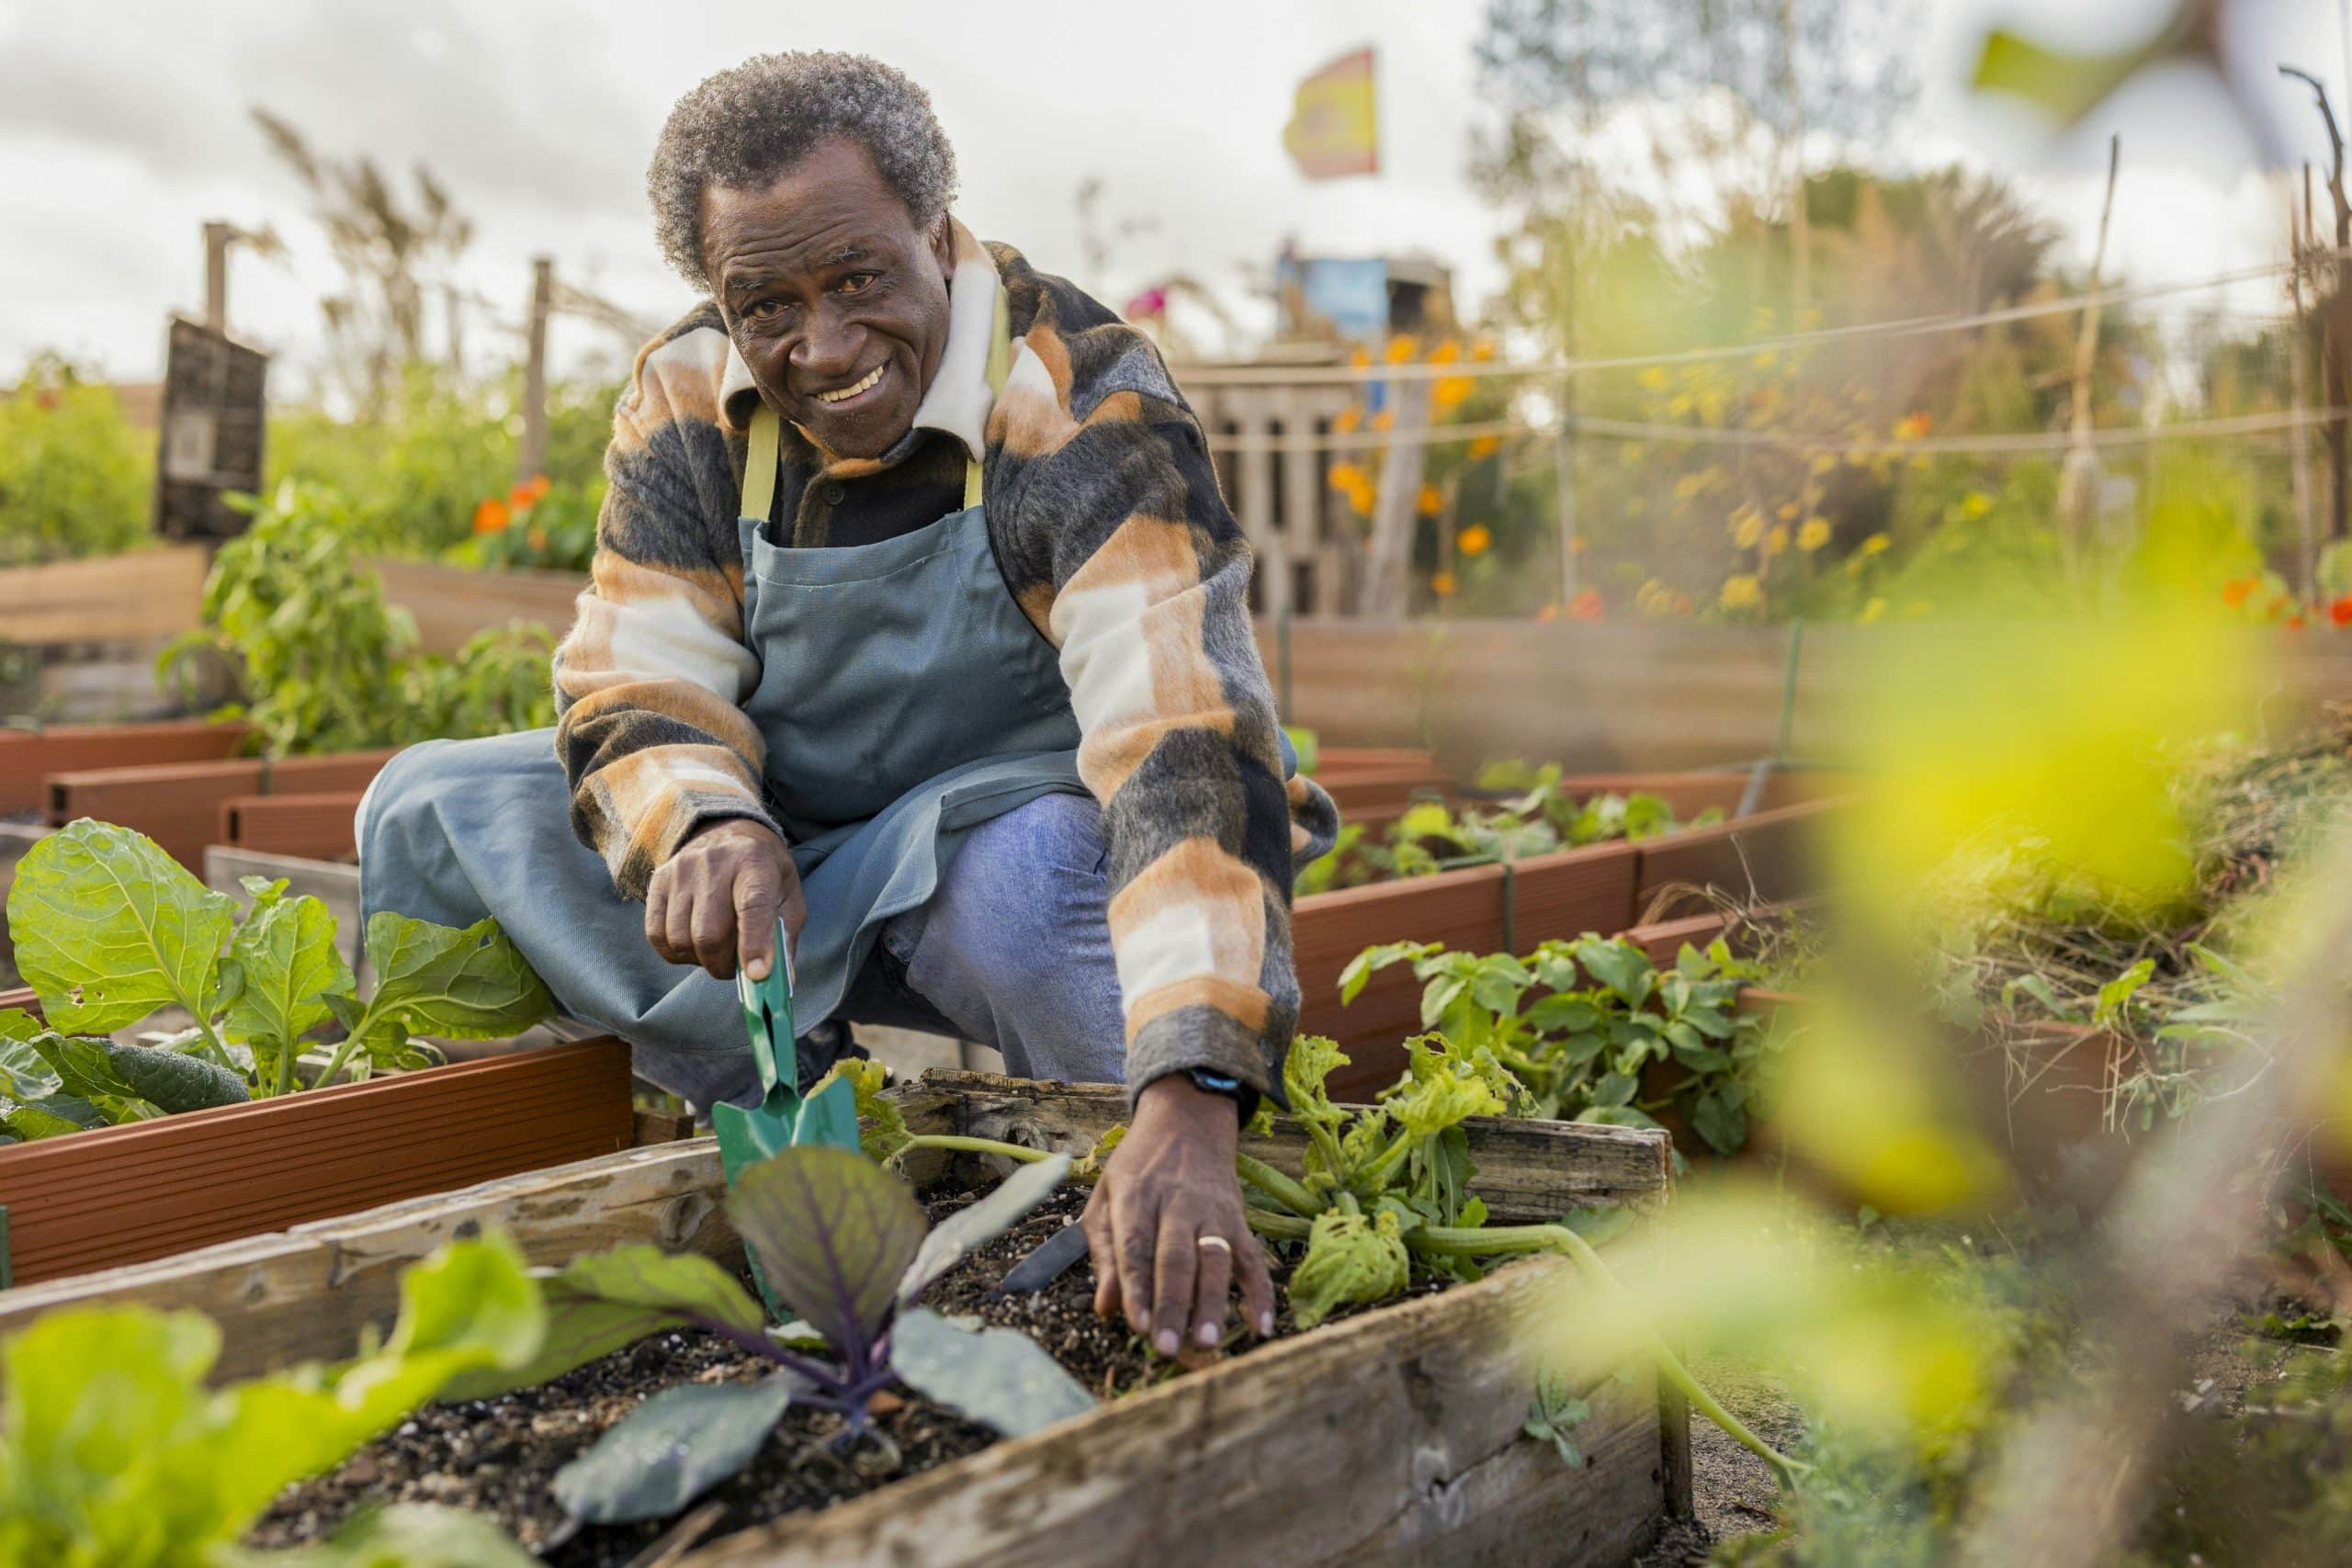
(742, 128)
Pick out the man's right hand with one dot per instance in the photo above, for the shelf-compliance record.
(721, 893)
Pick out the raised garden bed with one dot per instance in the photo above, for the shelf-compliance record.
(1392, 1433)
(28, 756)
(180, 805)
(320, 825)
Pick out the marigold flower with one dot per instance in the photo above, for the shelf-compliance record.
(1746, 527)
(1777, 540)
(1442, 585)
(1447, 352)
(1402, 348)
(1741, 592)
(2234, 592)
(492, 515)
(1474, 540)
(1913, 427)
(1450, 393)
(1484, 447)
(1876, 544)
(1346, 419)
(1430, 502)
(1587, 606)
(2340, 612)
(528, 493)
(1976, 503)
(1814, 535)
(1345, 476)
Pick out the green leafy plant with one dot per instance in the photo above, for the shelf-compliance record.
(846, 1247)
(75, 478)
(109, 930)
(1554, 1415)
(1577, 1024)
(293, 608)
(114, 1454)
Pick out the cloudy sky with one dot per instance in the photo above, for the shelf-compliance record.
(123, 128)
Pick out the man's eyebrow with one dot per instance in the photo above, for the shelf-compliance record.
(856, 251)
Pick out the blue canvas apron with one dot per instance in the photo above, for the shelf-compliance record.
(904, 698)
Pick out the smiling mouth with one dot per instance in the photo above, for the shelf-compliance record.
(866, 383)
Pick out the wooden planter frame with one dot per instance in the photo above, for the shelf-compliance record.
(1391, 1436)
(183, 806)
(114, 1196)
(27, 757)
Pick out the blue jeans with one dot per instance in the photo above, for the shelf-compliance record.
(1013, 950)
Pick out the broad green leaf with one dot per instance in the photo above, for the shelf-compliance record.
(672, 1448)
(24, 1074)
(109, 929)
(980, 1223)
(602, 1301)
(998, 1377)
(405, 1535)
(53, 1117)
(1312, 1059)
(1349, 1259)
(287, 953)
(1721, 1121)
(1499, 982)
(174, 1081)
(833, 1233)
(1619, 965)
(1365, 964)
(1444, 1099)
(1615, 1089)
(1562, 1015)
(465, 985)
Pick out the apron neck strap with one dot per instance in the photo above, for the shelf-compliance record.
(767, 429)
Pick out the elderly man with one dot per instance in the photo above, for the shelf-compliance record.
(918, 620)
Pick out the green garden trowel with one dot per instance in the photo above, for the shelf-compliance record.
(782, 1118)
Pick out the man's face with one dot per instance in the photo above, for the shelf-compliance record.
(834, 298)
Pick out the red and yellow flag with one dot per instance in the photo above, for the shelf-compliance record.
(1334, 126)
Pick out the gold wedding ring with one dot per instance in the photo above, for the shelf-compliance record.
(1216, 1241)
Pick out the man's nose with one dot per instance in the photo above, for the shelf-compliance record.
(828, 348)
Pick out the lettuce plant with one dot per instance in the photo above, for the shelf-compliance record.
(109, 930)
(114, 1454)
(1600, 1014)
(846, 1247)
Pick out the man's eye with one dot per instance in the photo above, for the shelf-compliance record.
(856, 283)
(766, 309)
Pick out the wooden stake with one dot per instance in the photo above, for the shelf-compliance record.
(216, 276)
(2082, 463)
(2298, 381)
(531, 460)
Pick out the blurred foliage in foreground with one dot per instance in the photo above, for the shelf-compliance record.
(75, 478)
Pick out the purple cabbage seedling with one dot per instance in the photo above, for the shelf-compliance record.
(846, 1247)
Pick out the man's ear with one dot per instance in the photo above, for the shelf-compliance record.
(943, 245)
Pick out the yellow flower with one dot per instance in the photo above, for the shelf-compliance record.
(1346, 419)
(1483, 350)
(1442, 585)
(1777, 540)
(1446, 352)
(1872, 610)
(1814, 535)
(1361, 358)
(1825, 463)
(1746, 527)
(1474, 540)
(1484, 447)
(1345, 476)
(1654, 380)
(1741, 592)
(1876, 544)
(1401, 348)
(1449, 392)
(1976, 504)
(1788, 512)
(1430, 502)
(1385, 420)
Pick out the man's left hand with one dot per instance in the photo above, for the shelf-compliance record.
(1166, 1189)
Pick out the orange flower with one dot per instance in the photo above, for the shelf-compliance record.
(528, 493)
(1587, 606)
(491, 516)
(1402, 348)
(2235, 593)
(1346, 419)
(2340, 612)
(1430, 502)
(1474, 540)
(1484, 447)
(1442, 585)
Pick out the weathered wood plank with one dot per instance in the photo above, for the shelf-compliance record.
(1528, 1171)
(142, 596)
(451, 603)
(309, 1294)
(1392, 1436)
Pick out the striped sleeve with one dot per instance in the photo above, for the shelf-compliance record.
(650, 680)
(1120, 548)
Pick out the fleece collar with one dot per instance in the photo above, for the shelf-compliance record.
(958, 400)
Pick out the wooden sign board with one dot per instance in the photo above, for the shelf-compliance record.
(211, 432)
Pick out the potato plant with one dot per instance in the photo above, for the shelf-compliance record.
(110, 930)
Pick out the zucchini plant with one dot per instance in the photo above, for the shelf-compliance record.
(114, 1452)
(1578, 1024)
(846, 1247)
(110, 930)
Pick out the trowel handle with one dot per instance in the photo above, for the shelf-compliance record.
(767, 1017)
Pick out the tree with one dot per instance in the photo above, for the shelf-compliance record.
(393, 257)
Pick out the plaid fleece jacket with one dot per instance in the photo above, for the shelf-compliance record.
(1108, 525)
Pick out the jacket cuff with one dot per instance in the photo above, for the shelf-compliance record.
(1207, 1038)
(682, 817)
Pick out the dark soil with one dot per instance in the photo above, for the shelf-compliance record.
(498, 1456)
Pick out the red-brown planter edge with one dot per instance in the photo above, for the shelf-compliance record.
(179, 805)
(120, 1195)
(319, 827)
(28, 756)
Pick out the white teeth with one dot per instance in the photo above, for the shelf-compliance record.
(871, 377)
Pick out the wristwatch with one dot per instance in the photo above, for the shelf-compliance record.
(1244, 1098)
